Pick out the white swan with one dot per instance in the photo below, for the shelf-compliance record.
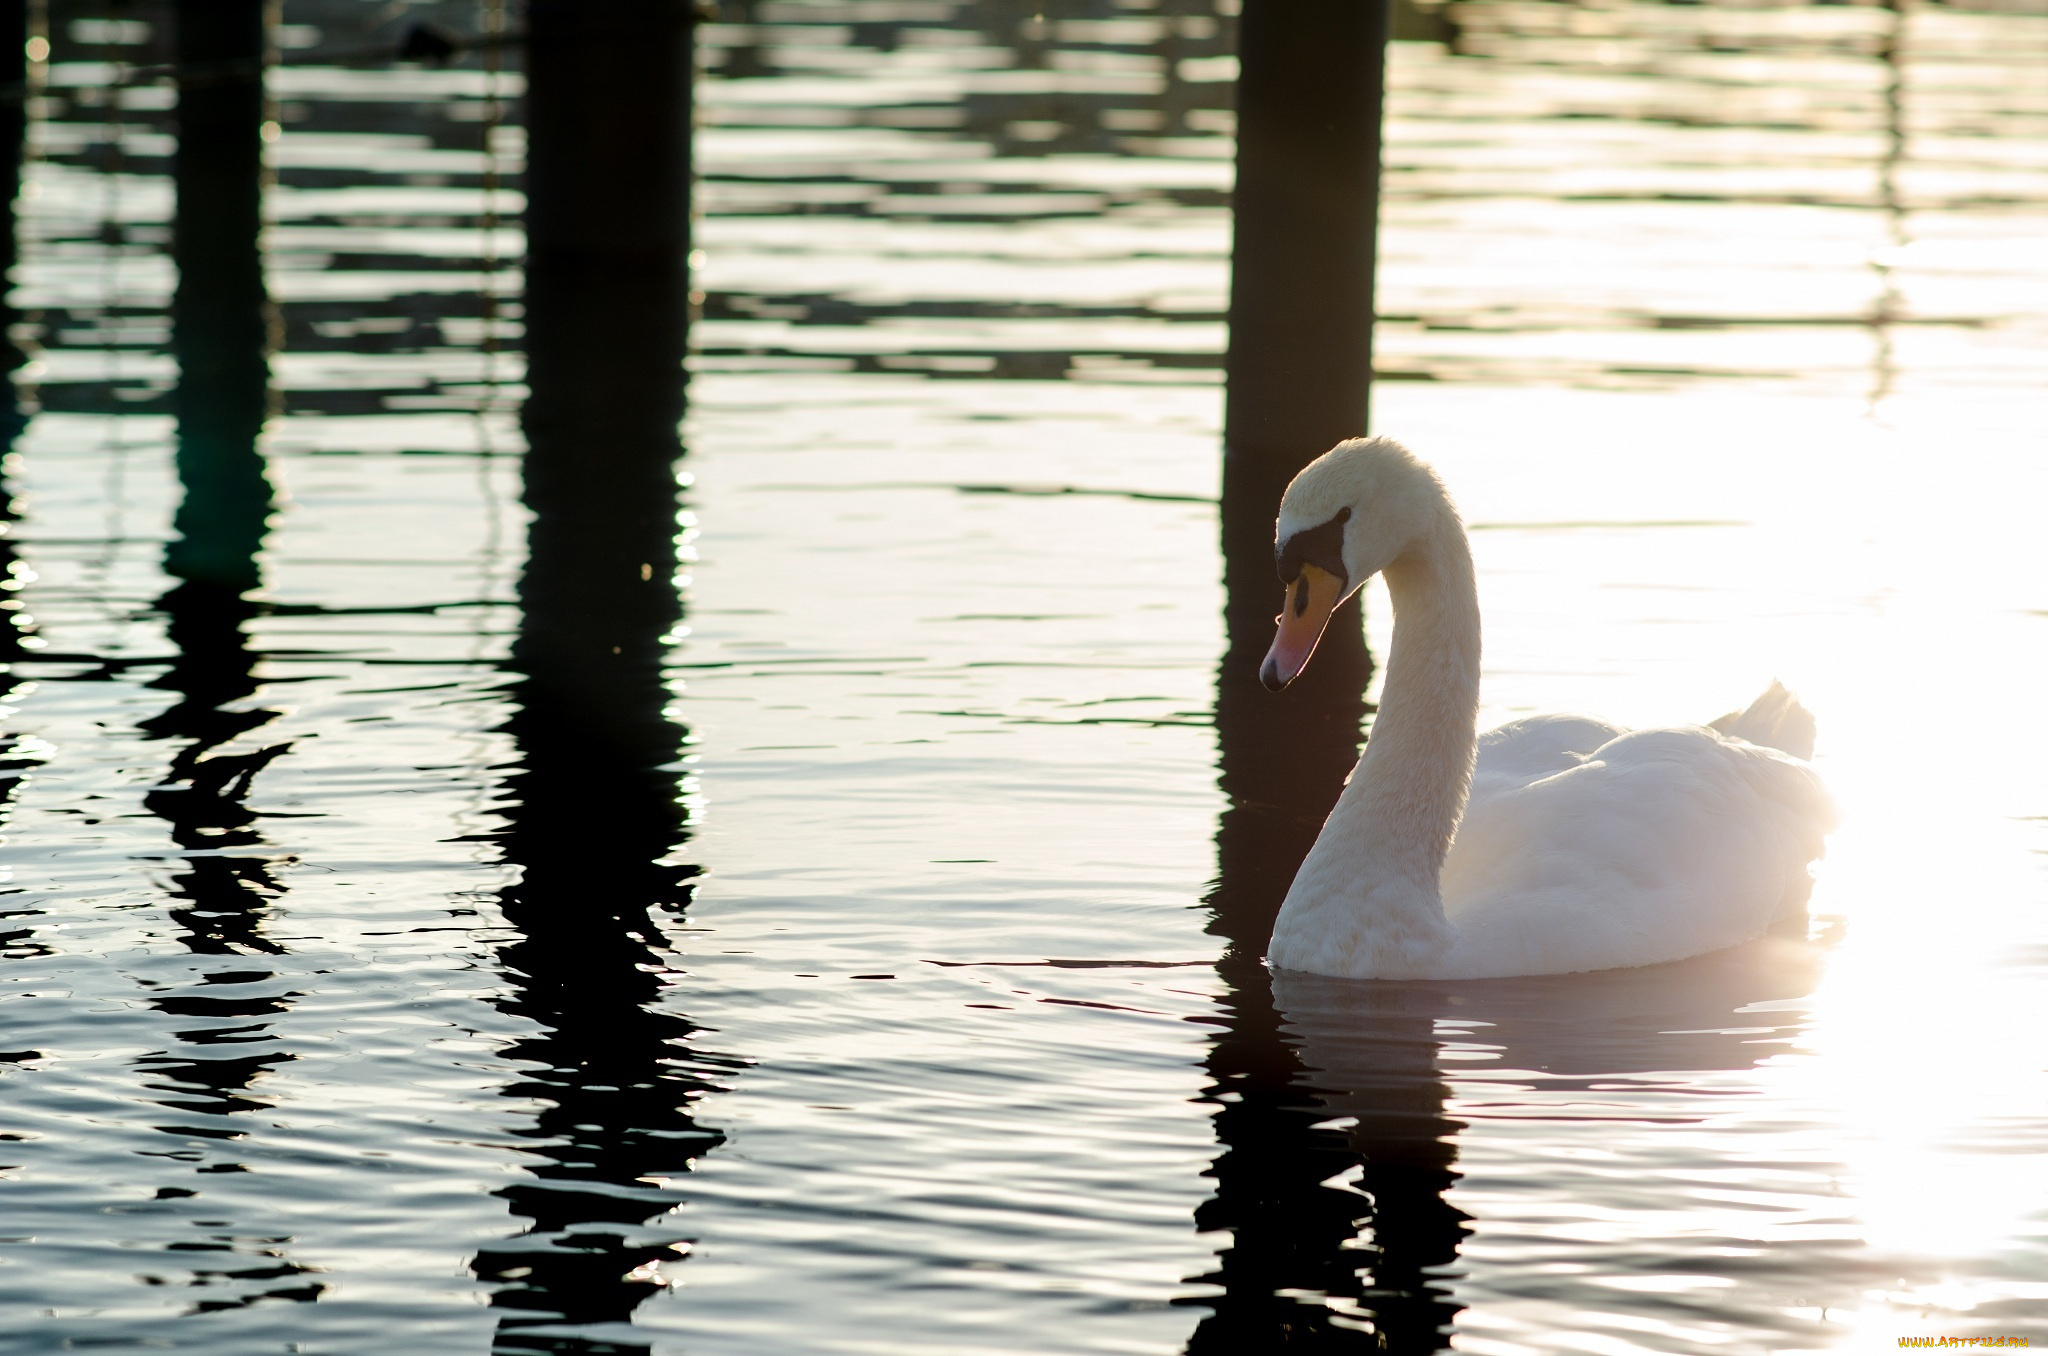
(1582, 846)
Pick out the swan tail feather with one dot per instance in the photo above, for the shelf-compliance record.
(1775, 720)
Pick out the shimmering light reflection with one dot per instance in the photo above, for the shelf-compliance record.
(1927, 1035)
(1884, 1152)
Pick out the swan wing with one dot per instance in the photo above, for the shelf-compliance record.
(1658, 845)
(1535, 746)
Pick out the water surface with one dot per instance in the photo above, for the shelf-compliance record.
(937, 1029)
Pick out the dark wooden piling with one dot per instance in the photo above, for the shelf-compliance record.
(221, 317)
(594, 807)
(607, 315)
(14, 35)
(1306, 212)
(1311, 75)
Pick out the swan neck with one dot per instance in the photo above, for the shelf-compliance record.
(1409, 789)
(1368, 899)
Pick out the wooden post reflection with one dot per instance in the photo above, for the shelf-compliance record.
(1370, 1052)
(1283, 759)
(220, 334)
(221, 337)
(594, 807)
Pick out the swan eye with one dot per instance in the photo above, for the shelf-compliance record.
(1301, 595)
(1319, 546)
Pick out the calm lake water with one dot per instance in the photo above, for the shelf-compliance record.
(1728, 324)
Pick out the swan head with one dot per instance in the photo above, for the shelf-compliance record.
(1348, 515)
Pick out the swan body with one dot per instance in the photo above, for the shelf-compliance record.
(1550, 845)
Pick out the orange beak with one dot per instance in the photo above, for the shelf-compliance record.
(1310, 600)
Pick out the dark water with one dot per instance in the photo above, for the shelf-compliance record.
(876, 969)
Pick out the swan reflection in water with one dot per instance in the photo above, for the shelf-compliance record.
(1374, 1054)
